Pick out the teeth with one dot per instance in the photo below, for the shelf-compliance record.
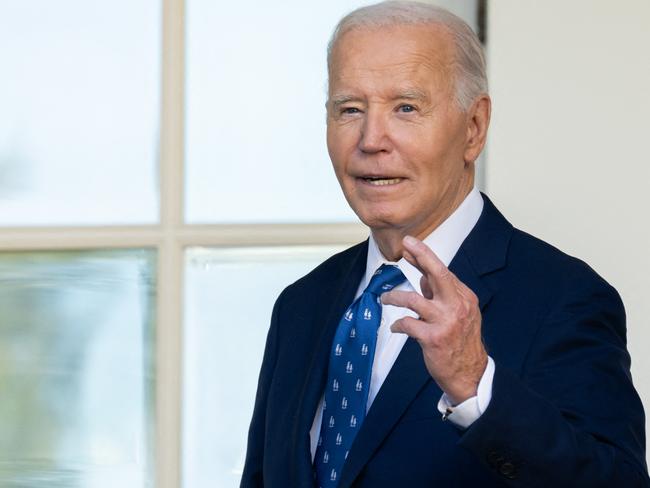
(383, 181)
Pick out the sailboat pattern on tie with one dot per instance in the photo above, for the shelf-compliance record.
(350, 365)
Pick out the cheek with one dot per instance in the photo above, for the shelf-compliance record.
(333, 145)
(438, 160)
(338, 165)
(341, 147)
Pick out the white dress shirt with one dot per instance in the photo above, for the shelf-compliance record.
(444, 241)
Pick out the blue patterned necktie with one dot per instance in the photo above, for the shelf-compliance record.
(348, 378)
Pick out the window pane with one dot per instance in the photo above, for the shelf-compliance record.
(255, 135)
(79, 120)
(76, 369)
(228, 302)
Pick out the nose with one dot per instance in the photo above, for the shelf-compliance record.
(374, 137)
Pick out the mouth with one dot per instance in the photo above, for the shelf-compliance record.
(381, 180)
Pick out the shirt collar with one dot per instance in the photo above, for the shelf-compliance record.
(444, 241)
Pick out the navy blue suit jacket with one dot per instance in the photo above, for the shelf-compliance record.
(563, 412)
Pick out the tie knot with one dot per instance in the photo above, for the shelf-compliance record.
(387, 277)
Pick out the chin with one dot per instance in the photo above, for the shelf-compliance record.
(381, 219)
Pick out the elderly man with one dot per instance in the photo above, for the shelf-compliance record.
(450, 349)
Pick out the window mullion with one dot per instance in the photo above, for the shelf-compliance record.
(170, 252)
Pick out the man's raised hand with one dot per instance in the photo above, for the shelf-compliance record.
(449, 325)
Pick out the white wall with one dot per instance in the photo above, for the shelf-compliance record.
(568, 157)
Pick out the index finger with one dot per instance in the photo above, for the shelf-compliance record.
(438, 276)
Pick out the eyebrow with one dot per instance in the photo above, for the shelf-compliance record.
(340, 100)
(411, 94)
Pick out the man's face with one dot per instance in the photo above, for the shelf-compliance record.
(396, 137)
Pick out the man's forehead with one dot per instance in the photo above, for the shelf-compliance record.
(394, 51)
(428, 41)
(413, 78)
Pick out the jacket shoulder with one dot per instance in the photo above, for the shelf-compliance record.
(548, 263)
(559, 281)
(332, 270)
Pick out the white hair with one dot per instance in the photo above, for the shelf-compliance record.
(470, 73)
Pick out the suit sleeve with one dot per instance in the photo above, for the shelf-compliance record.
(252, 476)
(572, 418)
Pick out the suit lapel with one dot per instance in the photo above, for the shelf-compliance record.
(464, 271)
(475, 258)
(338, 295)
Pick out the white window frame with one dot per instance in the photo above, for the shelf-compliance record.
(169, 238)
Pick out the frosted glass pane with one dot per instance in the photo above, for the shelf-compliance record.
(255, 134)
(228, 302)
(79, 98)
(76, 369)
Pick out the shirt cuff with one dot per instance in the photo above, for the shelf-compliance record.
(464, 414)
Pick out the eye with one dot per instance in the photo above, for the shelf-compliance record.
(406, 108)
(350, 110)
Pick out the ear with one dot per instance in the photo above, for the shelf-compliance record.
(478, 120)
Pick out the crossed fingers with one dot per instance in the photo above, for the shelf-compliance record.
(442, 292)
(449, 325)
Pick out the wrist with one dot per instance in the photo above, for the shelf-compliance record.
(463, 389)
(458, 397)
